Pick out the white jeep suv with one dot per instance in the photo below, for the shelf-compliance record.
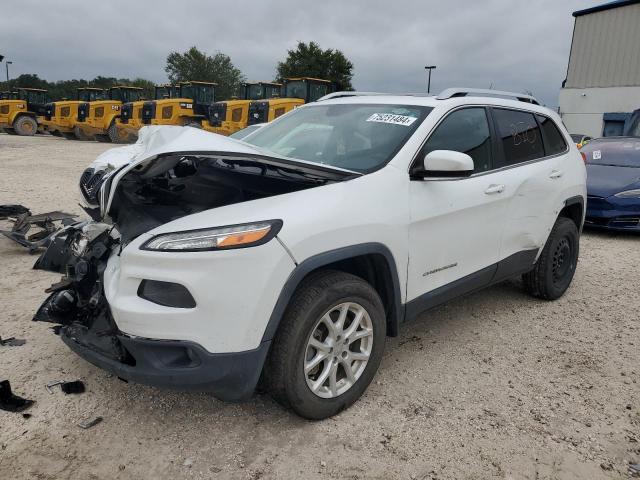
(215, 263)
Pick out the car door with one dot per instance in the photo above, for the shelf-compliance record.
(456, 223)
(530, 150)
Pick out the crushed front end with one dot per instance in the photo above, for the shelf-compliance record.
(78, 305)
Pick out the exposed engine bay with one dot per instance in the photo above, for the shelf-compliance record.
(150, 194)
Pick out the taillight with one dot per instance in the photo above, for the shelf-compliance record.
(584, 157)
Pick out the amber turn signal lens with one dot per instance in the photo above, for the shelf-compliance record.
(243, 238)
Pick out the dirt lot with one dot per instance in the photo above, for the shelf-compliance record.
(495, 385)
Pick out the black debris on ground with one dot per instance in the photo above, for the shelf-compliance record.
(45, 225)
(10, 402)
(72, 387)
(8, 211)
(12, 342)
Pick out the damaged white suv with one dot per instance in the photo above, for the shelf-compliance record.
(212, 263)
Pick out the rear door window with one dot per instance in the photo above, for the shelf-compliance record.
(519, 135)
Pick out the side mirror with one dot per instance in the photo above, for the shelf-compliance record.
(447, 163)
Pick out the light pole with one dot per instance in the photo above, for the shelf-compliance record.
(6, 64)
(431, 67)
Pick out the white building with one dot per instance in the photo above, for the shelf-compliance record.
(602, 87)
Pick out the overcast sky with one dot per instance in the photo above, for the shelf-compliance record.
(511, 44)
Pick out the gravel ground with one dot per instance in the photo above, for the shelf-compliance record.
(494, 385)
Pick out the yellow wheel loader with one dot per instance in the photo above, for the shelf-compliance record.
(189, 108)
(97, 119)
(130, 120)
(296, 92)
(60, 118)
(19, 115)
(229, 116)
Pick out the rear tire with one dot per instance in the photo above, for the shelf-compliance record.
(102, 138)
(553, 272)
(321, 390)
(25, 126)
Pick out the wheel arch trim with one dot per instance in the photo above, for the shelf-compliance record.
(315, 262)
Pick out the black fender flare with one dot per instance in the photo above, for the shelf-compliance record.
(396, 312)
(577, 200)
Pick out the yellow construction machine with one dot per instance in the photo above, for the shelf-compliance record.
(229, 116)
(189, 108)
(19, 115)
(60, 118)
(98, 118)
(130, 120)
(296, 92)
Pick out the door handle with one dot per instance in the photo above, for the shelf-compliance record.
(555, 174)
(494, 189)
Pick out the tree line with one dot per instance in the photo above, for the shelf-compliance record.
(307, 59)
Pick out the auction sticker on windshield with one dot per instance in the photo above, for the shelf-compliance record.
(392, 119)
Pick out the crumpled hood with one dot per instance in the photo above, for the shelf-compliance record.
(154, 142)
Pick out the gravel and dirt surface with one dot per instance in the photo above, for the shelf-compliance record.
(494, 385)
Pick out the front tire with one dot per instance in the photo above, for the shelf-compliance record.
(553, 272)
(329, 345)
(25, 126)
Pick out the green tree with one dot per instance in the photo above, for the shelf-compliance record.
(309, 60)
(198, 66)
(66, 89)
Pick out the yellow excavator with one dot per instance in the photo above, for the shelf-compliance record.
(295, 92)
(130, 120)
(60, 117)
(19, 115)
(189, 108)
(229, 116)
(97, 119)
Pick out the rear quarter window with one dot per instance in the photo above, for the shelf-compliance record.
(553, 140)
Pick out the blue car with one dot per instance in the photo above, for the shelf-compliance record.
(613, 183)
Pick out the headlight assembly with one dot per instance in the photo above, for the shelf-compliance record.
(635, 193)
(218, 238)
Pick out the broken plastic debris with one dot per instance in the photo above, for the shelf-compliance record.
(7, 211)
(11, 402)
(75, 386)
(72, 387)
(90, 423)
(12, 342)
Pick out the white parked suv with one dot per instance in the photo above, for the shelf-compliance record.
(215, 263)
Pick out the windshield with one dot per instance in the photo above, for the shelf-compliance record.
(254, 92)
(162, 92)
(296, 89)
(240, 134)
(360, 137)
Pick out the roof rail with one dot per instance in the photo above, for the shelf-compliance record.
(349, 94)
(482, 92)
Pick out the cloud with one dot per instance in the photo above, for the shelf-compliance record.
(512, 45)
